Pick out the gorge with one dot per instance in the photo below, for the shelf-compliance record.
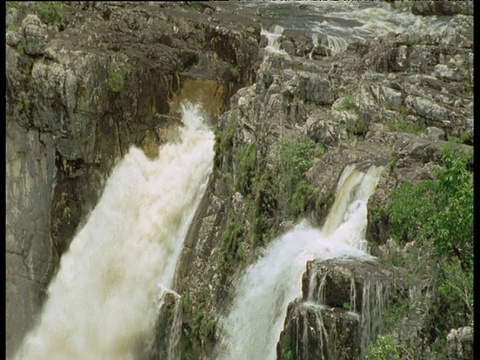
(111, 178)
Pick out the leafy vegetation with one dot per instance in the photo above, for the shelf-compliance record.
(438, 215)
(115, 81)
(440, 210)
(198, 332)
(465, 138)
(224, 141)
(51, 13)
(384, 348)
(358, 128)
(234, 71)
(347, 103)
(231, 247)
(19, 5)
(404, 127)
(245, 162)
(286, 354)
(402, 109)
(296, 194)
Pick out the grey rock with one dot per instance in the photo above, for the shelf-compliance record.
(435, 133)
(442, 8)
(12, 38)
(339, 312)
(164, 342)
(33, 35)
(315, 332)
(460, 343)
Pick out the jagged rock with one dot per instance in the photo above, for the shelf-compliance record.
(417, 155)
(442, 8)
(338, 283)
(315, 332)
(339, 312)
(163, 343)
(434, 133)
(12, 38)
(315, 88)
(460, 343)
(76, 105)
(288, 46)
(66, 125)
(322, 129)
(33, 35)
(302, 43)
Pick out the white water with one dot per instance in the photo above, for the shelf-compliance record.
(252, 328)
(104, 300)
(343, 22)
(273, 44)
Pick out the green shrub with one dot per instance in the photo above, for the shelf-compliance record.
(439, 210)
(465, 138)
(404, 127)
(115, 81)
(409, 209)
(245, 162)
(263, 212)
(439, 214)
(385, 348)
(402, 109)
(19, 5)
(294, 161)
(51, 13)
(357, 128)
(347, 103)
(451, 225)
(224, 140)
(234, 71)
(286, 354)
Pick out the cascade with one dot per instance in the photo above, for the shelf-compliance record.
(105, 298)
(273, 46)
(252, 327)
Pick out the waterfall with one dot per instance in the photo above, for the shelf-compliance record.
(273, 45)
(105, 298)
(252, 327)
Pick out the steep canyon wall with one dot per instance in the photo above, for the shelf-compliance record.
(81, 89)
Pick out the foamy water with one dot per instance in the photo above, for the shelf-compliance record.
(252, 327)
(104, 301)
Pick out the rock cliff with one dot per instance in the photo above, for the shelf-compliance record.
(86, 84)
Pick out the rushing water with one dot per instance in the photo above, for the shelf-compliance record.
(252, 328)
(339, 23)
(105, 298)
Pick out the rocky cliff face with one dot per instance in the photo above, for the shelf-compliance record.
(396, 100)
(85, 81)
(83, 88)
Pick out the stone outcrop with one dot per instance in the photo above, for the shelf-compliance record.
(441, 8)
(112, 74)
(386, 101)
(163, 343)
(339, 312)
(460, 343)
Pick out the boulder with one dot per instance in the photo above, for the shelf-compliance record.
(442, 8)
(33, 35)
(460, 343)
(339, 312)
(316, 332)
(163, 343)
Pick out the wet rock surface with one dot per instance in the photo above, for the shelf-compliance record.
(109, 76)
(339, 312)
(80, 92)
